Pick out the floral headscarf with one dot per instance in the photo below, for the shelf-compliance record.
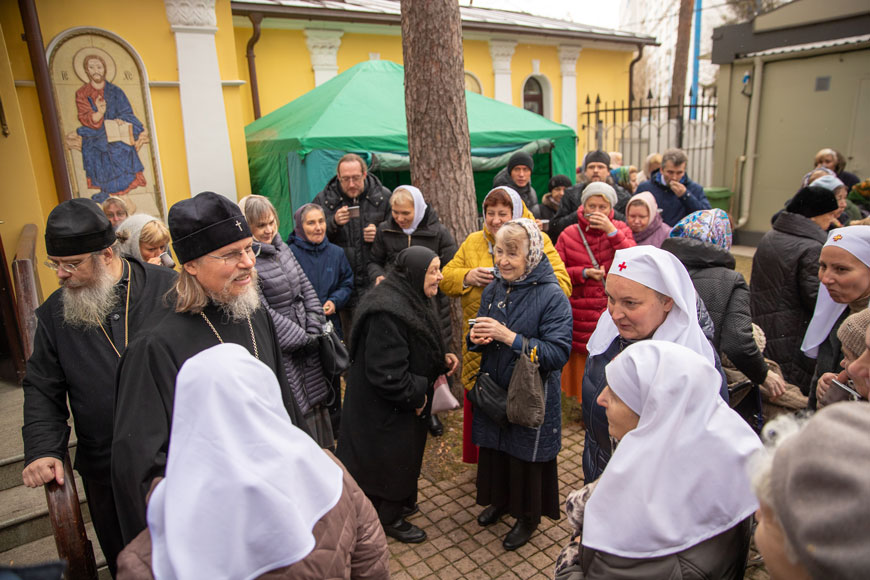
(536, 246)
(622, 176)
(709, 225)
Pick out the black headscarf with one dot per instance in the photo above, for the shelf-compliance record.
(401, 295)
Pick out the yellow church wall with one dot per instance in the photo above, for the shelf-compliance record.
(144, 25)
(522, 67)
(601, 73)
(355, 48)
(479, 63)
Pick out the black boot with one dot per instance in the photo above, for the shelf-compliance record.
(490, 515)
(435, 426)
(405, 532)
(520, 533)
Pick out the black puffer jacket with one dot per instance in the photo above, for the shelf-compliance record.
(374, 204)
(785, 284)
(431, 233)
(726, 296)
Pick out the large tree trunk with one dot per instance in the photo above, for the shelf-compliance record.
(438, 141)
(681, 60)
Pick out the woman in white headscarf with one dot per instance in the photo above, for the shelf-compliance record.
(469, 272)
(675, 500)
(413, 223)
(844, 289)
(246, 493)
(649, 295)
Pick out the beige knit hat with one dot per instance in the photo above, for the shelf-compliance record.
(852, 331)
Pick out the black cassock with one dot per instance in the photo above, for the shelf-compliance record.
(145, 395)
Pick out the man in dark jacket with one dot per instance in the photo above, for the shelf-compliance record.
(676, 195)
(596, 167)
(518, 176)
(353, 187)
(549, 205)
(104, 302)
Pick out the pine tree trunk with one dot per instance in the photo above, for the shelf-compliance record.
(681, 60)
(438, 140)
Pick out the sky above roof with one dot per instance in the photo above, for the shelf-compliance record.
(592, 12)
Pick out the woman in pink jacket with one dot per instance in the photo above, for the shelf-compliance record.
(587, 249)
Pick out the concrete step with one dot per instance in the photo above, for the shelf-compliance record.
(24, 515)
(44, 550)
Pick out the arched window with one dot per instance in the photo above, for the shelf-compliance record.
(533, 96)
(472, 84)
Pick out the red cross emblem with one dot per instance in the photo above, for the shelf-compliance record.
(837, 238)
(622, 267)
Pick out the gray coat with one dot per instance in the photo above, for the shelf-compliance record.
(291, 301)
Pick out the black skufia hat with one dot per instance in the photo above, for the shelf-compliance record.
(77, 226)
(204, 223)
(812, 201)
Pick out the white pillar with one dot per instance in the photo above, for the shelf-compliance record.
(204, 117)
(568, 61)
(323, 47)
(501, 52)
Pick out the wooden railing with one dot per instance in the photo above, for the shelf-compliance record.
(64, 508)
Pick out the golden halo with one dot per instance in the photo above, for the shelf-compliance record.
(79, 63)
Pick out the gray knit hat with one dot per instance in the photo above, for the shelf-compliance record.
(821, 491)
(852, 331)
(599, 188)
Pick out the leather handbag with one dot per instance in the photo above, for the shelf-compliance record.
(489, 398)
(334, 356)
(525, 394)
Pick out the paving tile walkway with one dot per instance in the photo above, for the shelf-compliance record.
(458, 547)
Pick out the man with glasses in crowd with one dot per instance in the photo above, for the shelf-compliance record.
(354, 202)
(215, 300)
(83, 329)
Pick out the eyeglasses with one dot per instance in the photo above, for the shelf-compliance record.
(233, 258)
(351, 179)
(68, 267)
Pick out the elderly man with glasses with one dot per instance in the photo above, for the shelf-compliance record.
(83, 329)
(214, 301)
(354, 203)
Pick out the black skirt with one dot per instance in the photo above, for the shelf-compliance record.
(527, 489)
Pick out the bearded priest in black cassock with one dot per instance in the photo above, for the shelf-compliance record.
(215, 301)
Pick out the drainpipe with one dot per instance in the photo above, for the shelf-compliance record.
(36, 49)
(631, 79)
(751, 142)
(256, 19)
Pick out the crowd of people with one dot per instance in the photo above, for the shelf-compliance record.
(215, 441)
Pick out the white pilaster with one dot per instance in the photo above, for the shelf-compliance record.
(568, 62)
(204, 118)
(501, 52)
(323, 47)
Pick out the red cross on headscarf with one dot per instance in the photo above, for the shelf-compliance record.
(622, 267)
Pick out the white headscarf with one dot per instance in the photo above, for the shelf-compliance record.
(244, 487)
(419, 207)
(517, 204)
(856, 241)
(679, 477)
(663, 272)
(133, 226)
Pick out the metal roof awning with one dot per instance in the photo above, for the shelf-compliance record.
(810, 46)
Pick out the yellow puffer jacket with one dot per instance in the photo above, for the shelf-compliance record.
(474, 253)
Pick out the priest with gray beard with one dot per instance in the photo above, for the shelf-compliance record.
(83, 328)
(215, 301)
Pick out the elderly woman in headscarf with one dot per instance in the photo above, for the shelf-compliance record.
(517, 472)
(227, 508)
(471, 269)
(625, 176)
(674, 501)
(851, 334)
(398, 353)
(413, 223)
(844, 276)
(324, 263)
(649, 295)
(702, 242)
(587, 249)
(811, 481)
(643, 218)
(145, 238)
(290, 300)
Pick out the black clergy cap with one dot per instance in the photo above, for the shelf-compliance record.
(204, 223)
(77, 226)
(812, 201)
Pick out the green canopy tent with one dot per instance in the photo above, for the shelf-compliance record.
(296, 148)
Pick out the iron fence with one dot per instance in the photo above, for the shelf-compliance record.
(652, 126)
